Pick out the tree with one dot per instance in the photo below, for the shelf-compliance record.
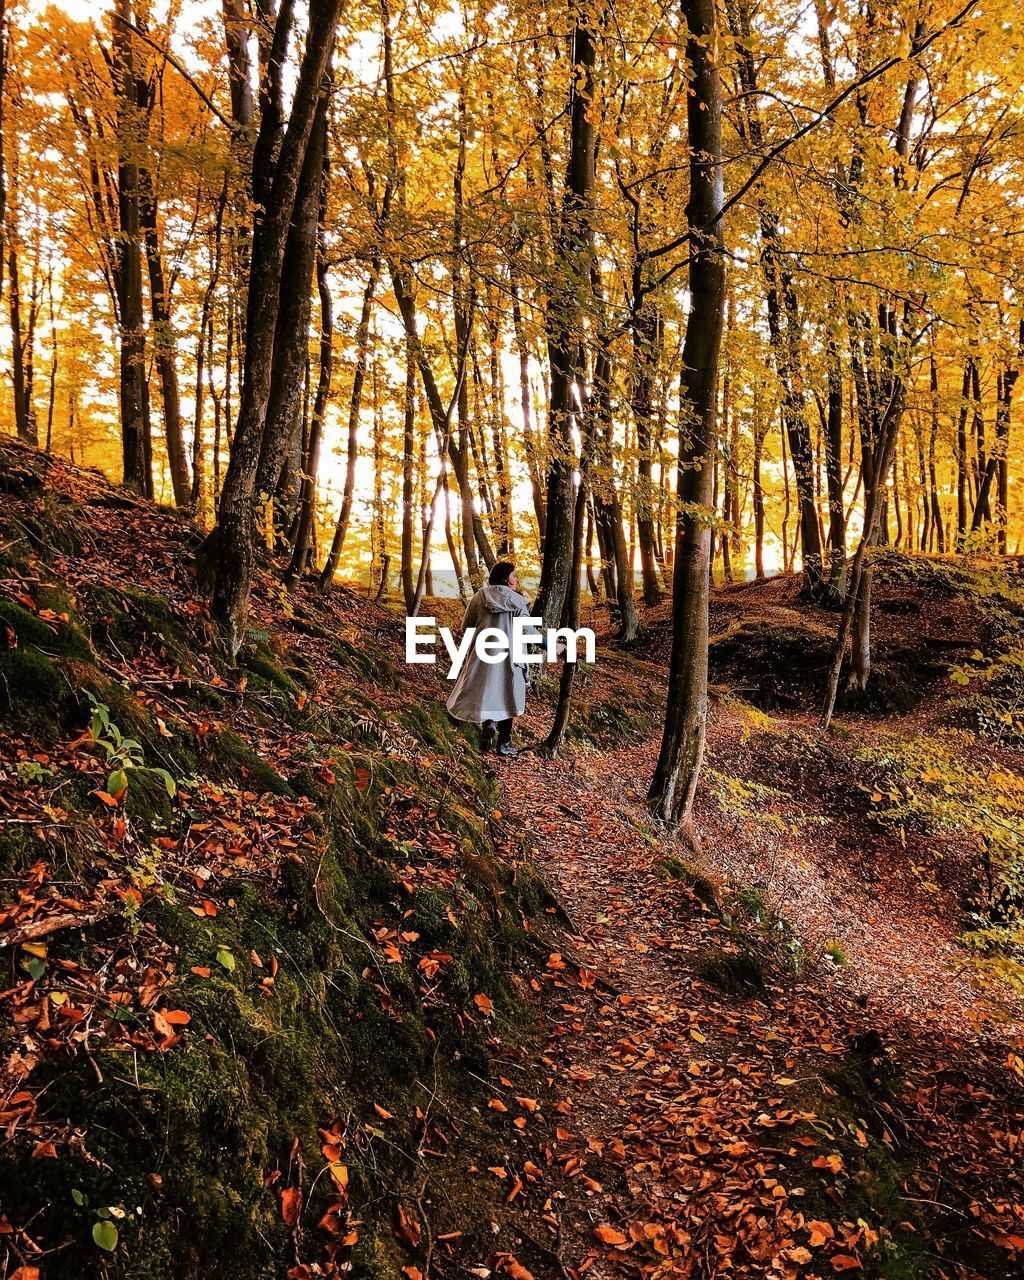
(572, 276)
(674, 784)
(277, 177)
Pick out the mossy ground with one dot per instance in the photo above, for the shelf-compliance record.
(374, 822)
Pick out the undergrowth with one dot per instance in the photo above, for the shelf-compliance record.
(296, 967)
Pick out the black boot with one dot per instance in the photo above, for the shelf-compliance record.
(488, 732)
(505, 747)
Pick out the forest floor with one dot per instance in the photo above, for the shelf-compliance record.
(284, 994)
(701, 1097)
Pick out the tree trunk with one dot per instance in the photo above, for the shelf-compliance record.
(164, 346)
(784, 324)
(674, 784)
(355, 405)
(834, 467)
(572, 265)
(303, 544)
(291, 345)
(134, 394)
(3, 140)
(529, 440)
(961, 461)
(409, 478)
(758, 496)
(234, 565)
(198, 495)
(646, 327)
(857, 606)
(21, 353)
(996, 469)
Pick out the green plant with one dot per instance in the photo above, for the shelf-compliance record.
(33, 771)
(836, 952)
(122, 754)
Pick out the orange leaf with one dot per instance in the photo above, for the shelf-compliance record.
(291, 1204)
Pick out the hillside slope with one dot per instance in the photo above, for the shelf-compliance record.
(260, 928)
(284, 995)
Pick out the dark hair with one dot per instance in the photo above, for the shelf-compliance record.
(500, 573)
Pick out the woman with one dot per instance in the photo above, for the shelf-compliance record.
(492, 694)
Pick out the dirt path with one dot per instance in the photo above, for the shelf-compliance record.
(704, 1134)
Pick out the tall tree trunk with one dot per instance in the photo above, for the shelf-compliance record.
(198, 495)
(646, 328)
(857, 606)
(933, 485)
(572, 267)
(409, 479)
(355, 405)
(4, 41)
(996, 466)
(596, 422)
(302, 548)
(439, 415)
(236, 523)
(784, 324)
(22, 355)
(164, 345)
(834, 466)
(499, 440)
(525, 397)
(758, 498)
(51, 400)
(961, 460)
(674, 784)
(463, 309)
(136, 446)
(291, 345)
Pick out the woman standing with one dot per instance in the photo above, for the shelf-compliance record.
(492, 694)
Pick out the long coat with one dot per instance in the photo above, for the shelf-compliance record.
(491, 691)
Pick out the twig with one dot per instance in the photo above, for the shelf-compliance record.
(50, 924)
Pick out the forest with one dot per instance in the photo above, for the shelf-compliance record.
(697, 324)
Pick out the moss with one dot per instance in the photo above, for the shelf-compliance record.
(129, 618)
(851, 1103)
(611, 723)
(429, 725)
(262, 663)
(698, 883)
(243, 764)
(33, 691)
(735, 972)
(376, 1258)
(147, 798)
(837, 953)
(376, 668)
(59, 638)
(20, 846)
(775, 665)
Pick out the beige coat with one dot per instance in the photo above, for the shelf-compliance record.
(491, 691)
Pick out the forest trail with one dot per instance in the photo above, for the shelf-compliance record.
(694, 1117)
